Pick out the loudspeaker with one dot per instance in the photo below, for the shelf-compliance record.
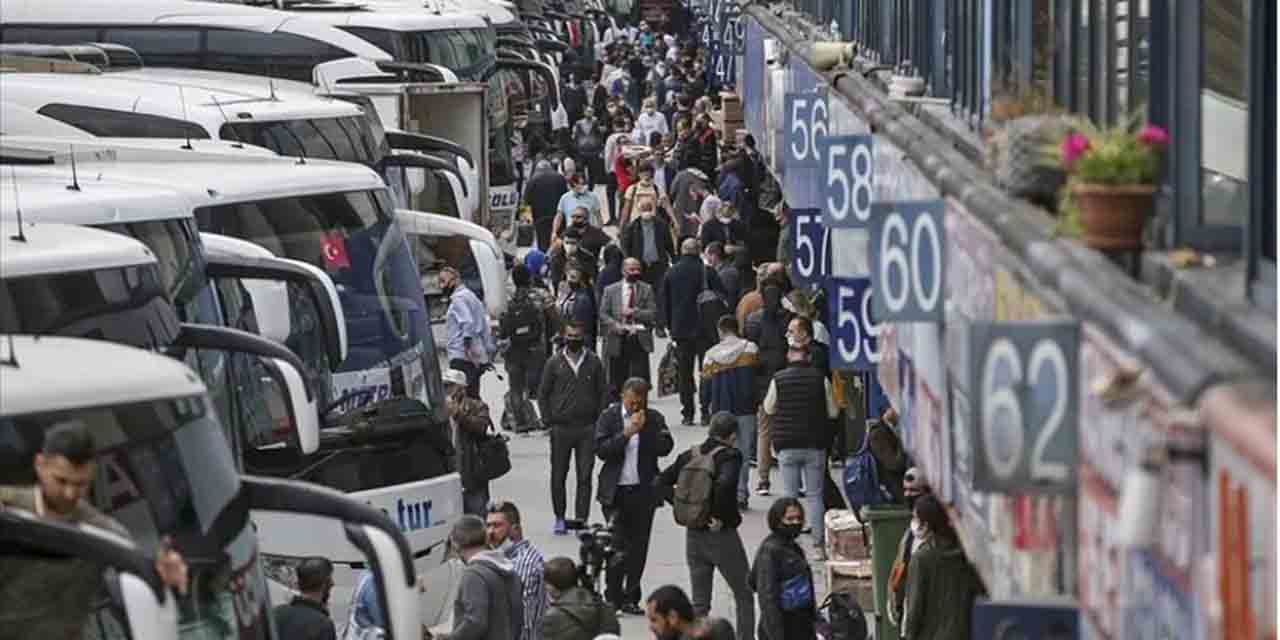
(828, 55)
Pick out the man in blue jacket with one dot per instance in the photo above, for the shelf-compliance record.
(729, 372)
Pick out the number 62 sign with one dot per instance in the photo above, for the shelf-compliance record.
(1025, 406)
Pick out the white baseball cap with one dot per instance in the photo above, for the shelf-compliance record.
(454, 376)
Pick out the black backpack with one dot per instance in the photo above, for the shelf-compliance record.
(522, 323)
(845, 617)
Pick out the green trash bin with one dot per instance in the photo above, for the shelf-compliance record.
(887, 524)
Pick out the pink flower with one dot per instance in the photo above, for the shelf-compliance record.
(1073, 146)
(1153, 136)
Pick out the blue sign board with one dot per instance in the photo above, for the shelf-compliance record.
(1025, 403)
(846, 171)
(1016, 621)
(908, 241)
(804, 122)
(752, 89)
(852, 326)
(811, 253)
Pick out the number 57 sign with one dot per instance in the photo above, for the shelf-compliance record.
(1025, 377)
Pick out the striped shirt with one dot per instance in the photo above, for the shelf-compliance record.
(528, 565)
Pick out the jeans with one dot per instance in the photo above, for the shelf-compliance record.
(805, 465)
(524, 373)
(476, 502)
(578, 443)
(747, 445)
(704, 552)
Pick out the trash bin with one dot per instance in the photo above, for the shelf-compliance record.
(887, 524)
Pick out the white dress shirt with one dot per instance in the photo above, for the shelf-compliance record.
(630, 475)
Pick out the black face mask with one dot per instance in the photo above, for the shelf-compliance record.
(580, 225)
(574, 345)
(448, 291)
(632, 277)
(790, 531)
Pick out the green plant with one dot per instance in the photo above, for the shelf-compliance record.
(1068, 223)
(1115, 155)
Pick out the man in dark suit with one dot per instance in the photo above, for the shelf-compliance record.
(628, 314)
(683, 317)
(630, 437)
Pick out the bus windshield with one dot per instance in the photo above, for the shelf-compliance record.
(127, 305)
(347, 139)
(164, 469)
(354, 237)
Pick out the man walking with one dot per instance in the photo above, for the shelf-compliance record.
(647, 238)
(570, 399)
(523, 326)
(729, 372)
(471, 421)
(506, 534)
(542, 194)
(51, 597)
(306, 617)
(630, 437)
(680, 301)
(704, 486)
(801, 408)
(628, 313)
(490, 604)
(470, 343)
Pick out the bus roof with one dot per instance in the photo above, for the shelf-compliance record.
(208, 102)
(47, 248)
(403, 17)
(211, 172)
(179, 12)
(39, 382)
(43, 194)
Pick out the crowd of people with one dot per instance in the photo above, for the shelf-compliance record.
(672, 252)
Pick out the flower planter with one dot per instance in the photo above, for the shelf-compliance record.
(1112, 216)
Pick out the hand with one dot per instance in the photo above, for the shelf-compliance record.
(715, 524)
(634, 425)
(660, 332)
(171, 567)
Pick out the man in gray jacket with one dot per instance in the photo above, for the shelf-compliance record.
(490, 603)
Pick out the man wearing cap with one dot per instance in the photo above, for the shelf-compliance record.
(914, 485)
(470, 422)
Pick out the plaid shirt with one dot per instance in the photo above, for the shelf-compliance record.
(528, 565)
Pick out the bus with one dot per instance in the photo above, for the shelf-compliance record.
(288, 45)
(164, 470)
(381, 442)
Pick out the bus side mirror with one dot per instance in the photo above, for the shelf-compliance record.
(344, 530)
(288, 406)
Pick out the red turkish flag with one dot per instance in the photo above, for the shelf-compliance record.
(334, 248)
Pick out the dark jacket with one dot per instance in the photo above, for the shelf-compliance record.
(608, 275)
(731, 278)
(800, 418)
(490, 602)
(941, 588)
(568, 400)
(304, 619)
(633, 239)
(777, 561)
(543, 191)
(579, 615)
(731, 232)
(678, 297)
(729, 372)
(579, 305)
(724, 497)
(611, 448)
(473, 421)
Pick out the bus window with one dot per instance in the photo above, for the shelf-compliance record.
(48, 35)
(279, 55)
(110, 123)
(160, 47)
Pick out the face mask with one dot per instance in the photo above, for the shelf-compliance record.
(650, 110)
(790, 531)
(448, 289)
(647, 215)
(646, 181)
(579, 190)
(795, 342)
(570, 247)
(632, 277)
(725, 216)
(917, 528)
(580, 224)
(611, 110)
(574, 345)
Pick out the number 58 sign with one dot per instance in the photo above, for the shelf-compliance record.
(1025, 407)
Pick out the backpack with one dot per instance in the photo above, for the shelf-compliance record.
(694, 486)
(845, 617)
(711, 307)
(862, 480)
(522, 323)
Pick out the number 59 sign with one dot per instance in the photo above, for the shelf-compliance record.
(853, 331)
(1025, 406)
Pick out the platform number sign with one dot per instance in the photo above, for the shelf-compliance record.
(811, 254)
(907, 260)
(854, 332)
(846, 168)
(804, 124)
(1025, 406)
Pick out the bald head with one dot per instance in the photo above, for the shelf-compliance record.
(689, 247)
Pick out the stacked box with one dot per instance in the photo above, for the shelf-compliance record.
(845, 536)
(731, 104)
(852, 577)
(725, 125)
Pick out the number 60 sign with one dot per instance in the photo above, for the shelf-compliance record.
(1025, 381)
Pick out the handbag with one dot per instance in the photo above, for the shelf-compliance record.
(797, 593)
(493, 454)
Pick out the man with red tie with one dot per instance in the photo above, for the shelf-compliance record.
(628, 314)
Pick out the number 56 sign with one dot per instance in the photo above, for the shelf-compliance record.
(1025, 407)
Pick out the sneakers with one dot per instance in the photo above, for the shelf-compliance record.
(762, 489)
(706, 420)
(561, 528)
(744, 504)
(687, 421)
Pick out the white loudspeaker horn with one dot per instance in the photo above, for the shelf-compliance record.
(828, 55)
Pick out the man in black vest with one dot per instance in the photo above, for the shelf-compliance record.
(800, 403)
(630, 437)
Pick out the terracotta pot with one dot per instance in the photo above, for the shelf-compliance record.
(1113, 215)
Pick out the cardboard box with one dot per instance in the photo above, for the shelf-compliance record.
(845, 538)
(852, 577)
(731, 104)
